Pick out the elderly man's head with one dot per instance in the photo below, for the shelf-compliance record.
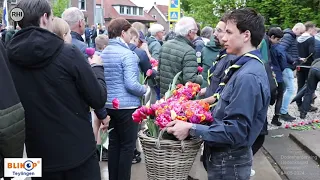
(157, 30)
(299, 29)
(186, 27)
(207, 32)
(75, 18)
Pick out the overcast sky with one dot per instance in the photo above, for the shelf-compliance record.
(147, 4)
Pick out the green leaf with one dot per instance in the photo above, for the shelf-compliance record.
(174, 81)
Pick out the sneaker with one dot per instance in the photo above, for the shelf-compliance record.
(136, 159)
(275, 120)
(136, 153)
(253, 172)
(276, 123)
(313, 109)
(287, 117)
(303, 115)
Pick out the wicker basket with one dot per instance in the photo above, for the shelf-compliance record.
(168, 159)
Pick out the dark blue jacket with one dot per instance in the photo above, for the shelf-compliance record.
(289, 44)
(87, 33)
(278, 61)
(78, 41)
(317, 49)
(241, 111)
(144, 62)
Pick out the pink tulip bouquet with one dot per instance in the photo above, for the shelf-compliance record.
(178, 104)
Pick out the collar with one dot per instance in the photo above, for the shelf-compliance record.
(77, 36)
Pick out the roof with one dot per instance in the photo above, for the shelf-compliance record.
(163, 9)
(111, 13)
(121, 2)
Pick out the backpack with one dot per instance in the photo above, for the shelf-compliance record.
(272, 82)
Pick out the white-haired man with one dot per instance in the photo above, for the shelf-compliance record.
(155, 40)
(179, 55)
(75, 18)
(289, 44)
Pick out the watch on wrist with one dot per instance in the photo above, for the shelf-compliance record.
(192, 130)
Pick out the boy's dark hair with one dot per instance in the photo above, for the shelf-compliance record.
(248, 19)
(276, 32)
(33, 10)
(116, 26)
(309, 25)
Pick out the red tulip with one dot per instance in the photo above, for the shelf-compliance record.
(149, 72)
(200, 69)
(115, 103)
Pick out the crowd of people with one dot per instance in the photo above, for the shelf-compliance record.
(51, 83)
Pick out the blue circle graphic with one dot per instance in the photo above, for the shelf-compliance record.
(28, 165)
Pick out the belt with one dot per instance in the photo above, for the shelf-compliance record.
(224, 149)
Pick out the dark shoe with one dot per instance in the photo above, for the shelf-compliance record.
(275, 121)
(303, 115)
(191, 178)
(136, 153)
(287, 117)
(313, 109)
(136, 159)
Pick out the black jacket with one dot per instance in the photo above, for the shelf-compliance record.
(56, 86)
(306, 48)
(289, 45)
(12, 123)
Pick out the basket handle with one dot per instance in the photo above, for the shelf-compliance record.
(160, 137)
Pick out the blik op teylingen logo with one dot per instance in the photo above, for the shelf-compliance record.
(22, 167)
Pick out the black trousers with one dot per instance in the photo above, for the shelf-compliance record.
(122, 142)
(313, 79)
(302, 77)
(257, 144)
(88, 170)
(280, 93)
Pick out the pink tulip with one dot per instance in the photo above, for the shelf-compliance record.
(90, 51)
(287, 126)
(149, 72)
(115, 103)
(200, 69)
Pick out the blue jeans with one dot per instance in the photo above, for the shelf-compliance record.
(231, 164)
(288, 80)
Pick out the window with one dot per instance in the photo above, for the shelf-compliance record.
(13, 1)
(135, 11)
(140, 11)
(121, 10)
(82, 4)
(128, 10)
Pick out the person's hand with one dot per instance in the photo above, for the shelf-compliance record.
(303, 59)
(105, 123)
(95, 59)
(202, 91)
(180, 129)
(200, 75)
